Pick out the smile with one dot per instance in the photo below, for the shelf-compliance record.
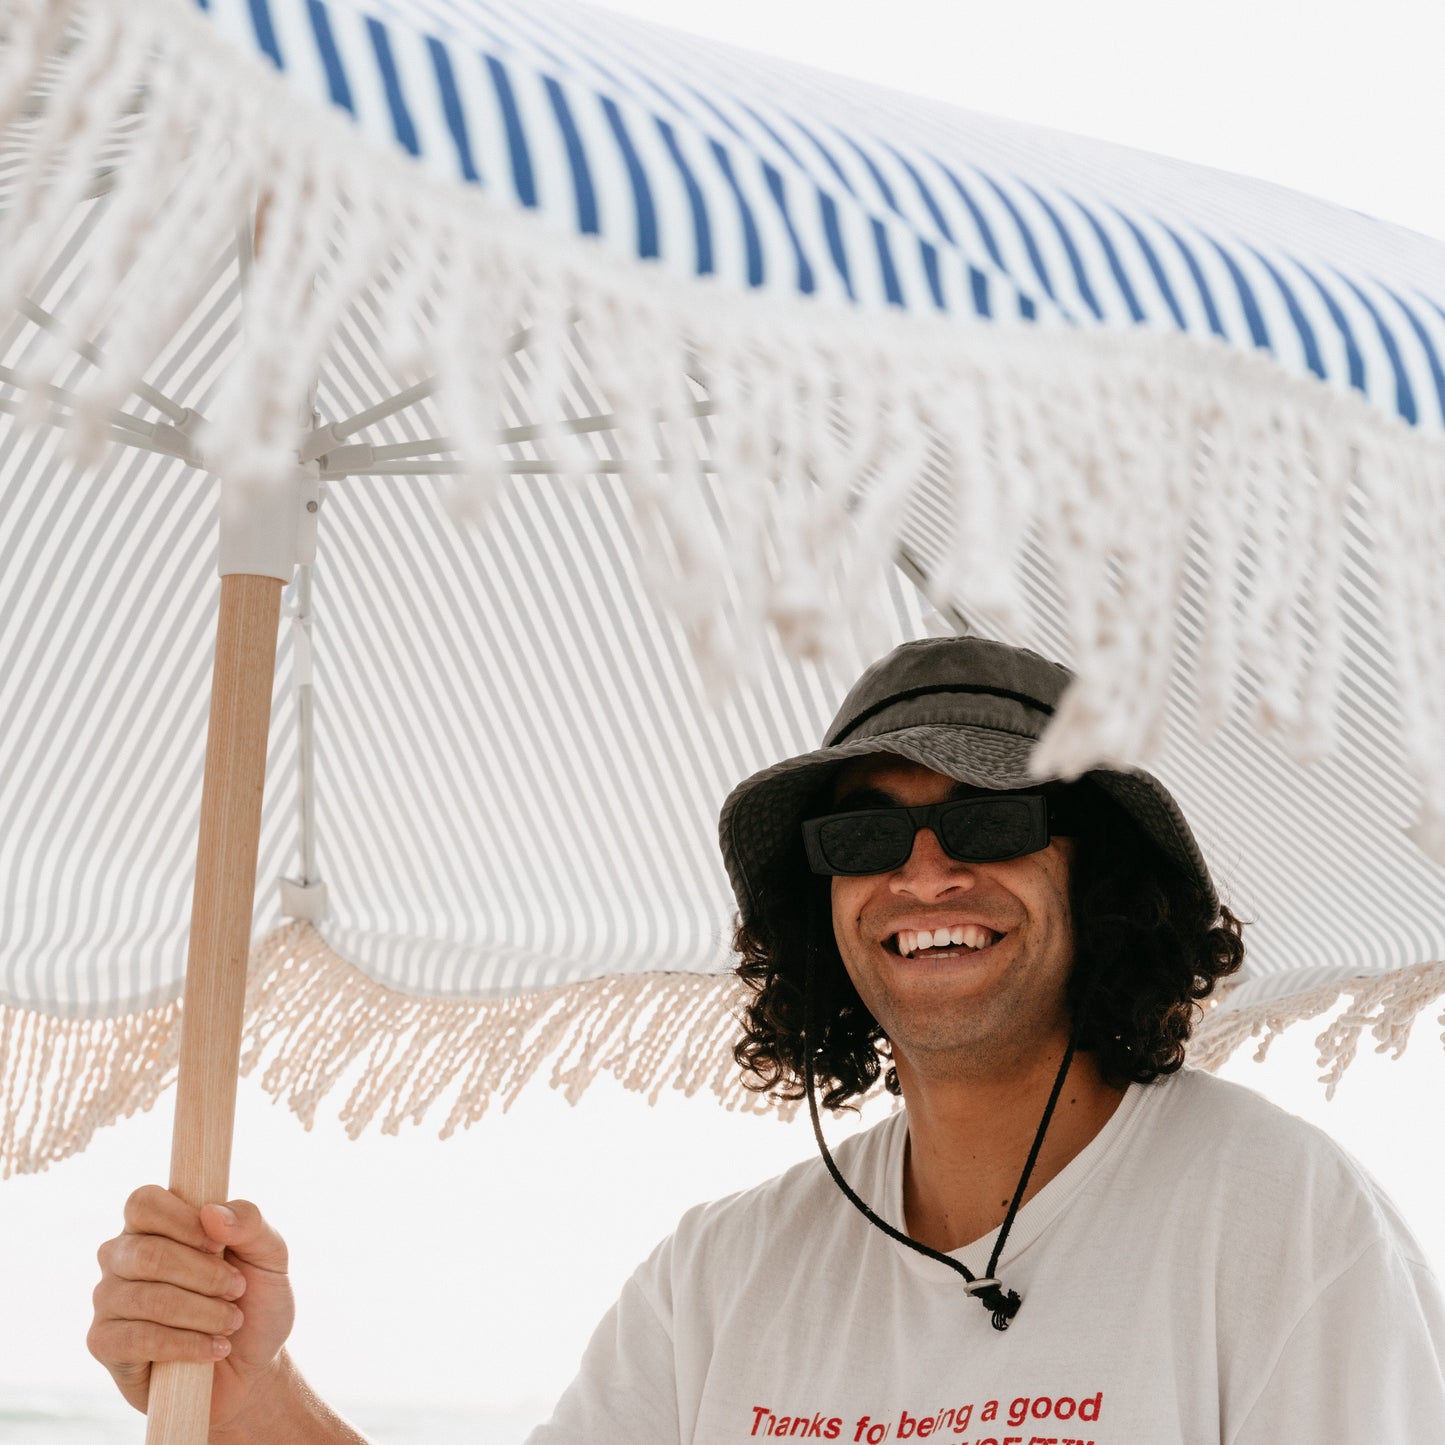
(946, 942)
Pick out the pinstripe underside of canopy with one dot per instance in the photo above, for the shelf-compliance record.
(736, 375)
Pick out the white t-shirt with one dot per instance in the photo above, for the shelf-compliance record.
(1208, 1271)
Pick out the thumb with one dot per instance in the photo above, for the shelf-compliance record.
(243, 1232)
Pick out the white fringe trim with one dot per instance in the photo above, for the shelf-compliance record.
(1116, 451)
(315, 1023)
(1387, 1005)
(61, 1079)
(314, 1019)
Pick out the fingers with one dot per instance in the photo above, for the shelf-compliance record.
(166, 1292)
(240, 1229)
(153, 1210)
(128, 1348)
(169, 1288)
(237, 1226)
(151, 1257)
(140, 1300)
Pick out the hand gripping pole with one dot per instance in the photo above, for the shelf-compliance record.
(263, 532)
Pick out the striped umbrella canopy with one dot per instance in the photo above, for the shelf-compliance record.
(621, 396)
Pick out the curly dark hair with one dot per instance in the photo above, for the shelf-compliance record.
(1149, 944)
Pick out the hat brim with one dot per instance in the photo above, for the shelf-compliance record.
(762, 817)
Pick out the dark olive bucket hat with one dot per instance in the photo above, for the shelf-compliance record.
(963, 706)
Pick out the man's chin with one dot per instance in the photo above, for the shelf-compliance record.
(986, 1046)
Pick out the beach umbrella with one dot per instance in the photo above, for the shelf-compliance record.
(590, 403)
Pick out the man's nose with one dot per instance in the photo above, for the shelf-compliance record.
(928, 872)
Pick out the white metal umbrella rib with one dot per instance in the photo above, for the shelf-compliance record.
(178, 415)
(128, 430)
(543, 466)
(327, 438)
(355, 458)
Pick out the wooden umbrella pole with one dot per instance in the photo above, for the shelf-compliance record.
(221, 912)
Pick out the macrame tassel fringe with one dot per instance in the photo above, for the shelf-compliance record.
(1387, 1006)
(315, 1023)
(64, 1078)
(1140, 466)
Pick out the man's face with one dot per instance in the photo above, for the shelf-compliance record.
(953, 1010)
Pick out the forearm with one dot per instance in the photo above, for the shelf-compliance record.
(288, 1412)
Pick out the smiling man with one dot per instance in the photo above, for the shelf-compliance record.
(1161, 1258)
(1014, 953)
(964, 964)
(960, 966)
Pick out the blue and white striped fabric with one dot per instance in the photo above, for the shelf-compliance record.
(518, 764)
(774, 177)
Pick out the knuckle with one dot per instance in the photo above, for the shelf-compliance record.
(125, 1255)
(142, 1201)
(247, 1213)
(140, 1256)
(145, 1304)
(115, 1258)
(147, 1256)
(121, 1259)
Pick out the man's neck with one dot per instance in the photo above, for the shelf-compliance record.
(968, 1141)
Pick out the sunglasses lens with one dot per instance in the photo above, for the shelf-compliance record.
(972, 830)
(865, 845)
(989, 829)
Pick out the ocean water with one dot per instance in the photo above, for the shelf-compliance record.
(48, 1418)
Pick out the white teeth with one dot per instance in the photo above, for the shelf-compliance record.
(968, 935)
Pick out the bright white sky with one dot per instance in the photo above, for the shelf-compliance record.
(1331, 97)
(473, 1270)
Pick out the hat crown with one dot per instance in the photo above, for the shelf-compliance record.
(967, 681)
(968, 707)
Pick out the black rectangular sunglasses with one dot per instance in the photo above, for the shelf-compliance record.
(969, 830)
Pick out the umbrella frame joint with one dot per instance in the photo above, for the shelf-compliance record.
(268, 529)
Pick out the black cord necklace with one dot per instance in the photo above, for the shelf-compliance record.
(1002, 1305)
